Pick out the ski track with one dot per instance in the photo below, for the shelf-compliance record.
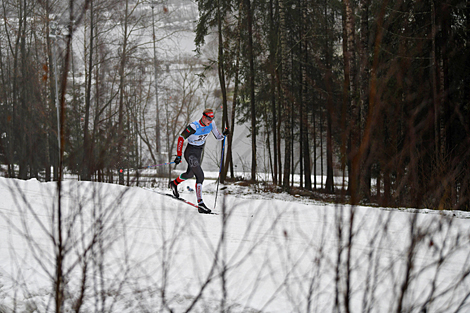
(275, 248)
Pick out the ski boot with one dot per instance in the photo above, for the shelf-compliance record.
(172, 185)
(201, 207)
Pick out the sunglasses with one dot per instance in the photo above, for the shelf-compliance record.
(208, 117)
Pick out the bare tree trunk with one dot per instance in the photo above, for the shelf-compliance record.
(49, 133)
(22, 94)
(59, 241)
(374, 107)
(87, 144)
(329, 186)
(235, 97)
(120, 135)
(5, 147)
(304, 139)
(292, 149)
(278, 130)
(350, 98)
(314, 134)
(221, 71)
(272, 61)
(282, 93)
(252, 89)
(450, 198)
(365, 175)
(16, 121)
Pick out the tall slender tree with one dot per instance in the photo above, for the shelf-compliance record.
(251, 78)
(87, 141)
(304, 137)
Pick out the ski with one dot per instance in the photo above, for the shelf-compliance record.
(180, 199)
(190, 203)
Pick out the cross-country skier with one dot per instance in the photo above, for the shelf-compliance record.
(196, 133)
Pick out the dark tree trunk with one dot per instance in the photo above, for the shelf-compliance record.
(86, 171)
(252, 89)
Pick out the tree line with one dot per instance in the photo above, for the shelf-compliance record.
(98, 63)
(376, 90)
(384, 83)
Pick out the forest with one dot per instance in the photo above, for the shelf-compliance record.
(380, 90)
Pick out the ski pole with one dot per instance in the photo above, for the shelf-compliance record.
(220, 170)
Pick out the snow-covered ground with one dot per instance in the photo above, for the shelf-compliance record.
(138, 251)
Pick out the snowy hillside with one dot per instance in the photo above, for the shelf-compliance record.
(134, 250)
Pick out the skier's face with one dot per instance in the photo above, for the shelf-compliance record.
(206, 121)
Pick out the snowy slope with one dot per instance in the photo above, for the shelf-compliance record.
(140, 251)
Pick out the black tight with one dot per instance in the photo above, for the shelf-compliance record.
(192, 155)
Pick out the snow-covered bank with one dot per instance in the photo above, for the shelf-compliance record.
(143, 252)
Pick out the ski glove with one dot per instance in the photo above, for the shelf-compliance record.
(225, 132)
(178, 159)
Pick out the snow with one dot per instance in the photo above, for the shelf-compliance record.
(280, 253)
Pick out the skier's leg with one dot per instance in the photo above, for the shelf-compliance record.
(200, 203)
(186, 175)
(198, 172)
(192, 158)
(199, 180)
(194, 161)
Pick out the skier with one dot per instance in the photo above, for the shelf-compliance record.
(196, 133)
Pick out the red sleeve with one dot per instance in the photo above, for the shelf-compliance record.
(188, 131)
(179, 146)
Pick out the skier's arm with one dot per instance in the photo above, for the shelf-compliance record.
(188, 131)
(179, 146)
(216, 132)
